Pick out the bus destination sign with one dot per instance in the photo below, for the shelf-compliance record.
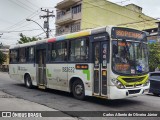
(126, 33)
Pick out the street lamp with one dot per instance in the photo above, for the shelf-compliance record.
(37, 24)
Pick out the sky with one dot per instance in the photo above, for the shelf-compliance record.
(13, 14)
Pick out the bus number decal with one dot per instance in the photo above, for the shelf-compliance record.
(68, 69)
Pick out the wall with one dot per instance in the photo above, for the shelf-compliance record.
(96, 13)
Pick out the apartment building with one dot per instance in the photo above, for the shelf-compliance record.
(76, 15)
(69, 16)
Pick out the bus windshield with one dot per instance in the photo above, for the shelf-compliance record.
(129, 57)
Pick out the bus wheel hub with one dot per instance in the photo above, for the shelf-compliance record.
(78, 89)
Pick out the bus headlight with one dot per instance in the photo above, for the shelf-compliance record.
(146, 84)
(117, 83)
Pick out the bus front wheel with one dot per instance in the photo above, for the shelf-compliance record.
(28, 81)
(78, 90)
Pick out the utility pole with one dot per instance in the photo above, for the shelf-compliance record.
(46, 23)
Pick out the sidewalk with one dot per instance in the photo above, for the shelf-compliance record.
(11, 103)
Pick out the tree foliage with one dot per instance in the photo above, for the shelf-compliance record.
(2, 57)
(24, 39)
(154, 56)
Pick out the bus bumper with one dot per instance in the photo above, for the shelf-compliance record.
(116, 93)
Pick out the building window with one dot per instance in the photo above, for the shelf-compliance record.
(60, 31)
(76, 9)
(59, 51)
(79, 50)
(75, 27)
(60, 14)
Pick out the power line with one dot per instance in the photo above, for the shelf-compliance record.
(110, 11)
(138, 22)
(32, 4)
(5, 21)
(22, 21)
(19, 27)
(104, 4)
(25, 5)
(19, 31)
(40, 34)
(19, 5)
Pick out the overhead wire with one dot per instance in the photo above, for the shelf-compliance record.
(32, 4)
(23, 20)
(24, 25)
(14, 2)
(40, 34)
(110, 11)
(19, 31)
(24, 4)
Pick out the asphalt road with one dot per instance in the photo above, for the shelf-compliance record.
(63, 101)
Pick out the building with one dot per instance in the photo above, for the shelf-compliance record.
(5, 50)
(154, 34)
(76, 15)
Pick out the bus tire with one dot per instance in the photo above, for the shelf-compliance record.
(78, 90)
(28, 81)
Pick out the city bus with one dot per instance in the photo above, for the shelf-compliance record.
(107, 62)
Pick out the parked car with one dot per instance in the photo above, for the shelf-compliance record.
(154, 78)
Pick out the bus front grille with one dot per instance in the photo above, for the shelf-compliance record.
(133, 79)
(134, 91)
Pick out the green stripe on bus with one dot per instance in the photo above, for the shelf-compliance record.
(48, 74)
(87, 72)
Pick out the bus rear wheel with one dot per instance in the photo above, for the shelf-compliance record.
(78, 90)
(28, 81)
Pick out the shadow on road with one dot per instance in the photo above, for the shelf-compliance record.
(94, 100)
(150, 94)
(114, 103)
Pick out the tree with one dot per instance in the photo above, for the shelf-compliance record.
(154, 56)
(2, 57)
(25, 39)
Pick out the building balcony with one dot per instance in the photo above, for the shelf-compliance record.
(67, 18)
(65, 4)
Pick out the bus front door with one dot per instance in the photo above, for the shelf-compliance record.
(41, 75)
(100, 68)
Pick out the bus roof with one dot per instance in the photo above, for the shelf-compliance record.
(63, 37)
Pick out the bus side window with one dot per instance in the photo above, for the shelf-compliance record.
(53, 52)
(78, 50)
(13, 56)
(31, 55)
(59, 51)
(22, 55)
